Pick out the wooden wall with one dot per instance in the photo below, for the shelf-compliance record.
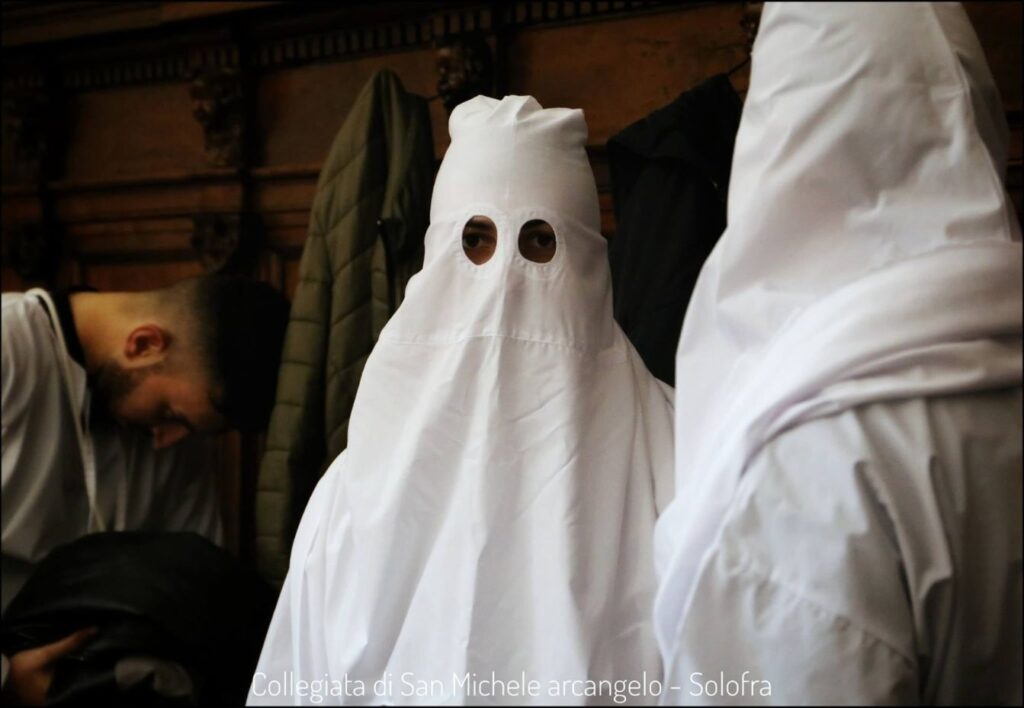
(106, 166)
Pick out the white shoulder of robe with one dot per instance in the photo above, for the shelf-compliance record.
(872, 557)
(294, 644)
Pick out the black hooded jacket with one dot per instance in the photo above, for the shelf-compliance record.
(670, 179)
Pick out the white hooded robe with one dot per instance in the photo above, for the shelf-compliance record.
(493, 515)
(847, 525)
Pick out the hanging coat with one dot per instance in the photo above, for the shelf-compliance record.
(508, 456)
(670, 177)
(847, 524)
(351, 278)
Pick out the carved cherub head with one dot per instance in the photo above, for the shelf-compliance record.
(216, 95)
(465, 69)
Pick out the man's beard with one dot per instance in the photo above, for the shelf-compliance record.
(110, 383)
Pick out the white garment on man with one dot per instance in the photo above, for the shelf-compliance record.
(847, 523)
(44, 497)
(508, 455)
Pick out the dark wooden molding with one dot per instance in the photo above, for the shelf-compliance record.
(174, 52)
(151, 179)
(172, 67)
(37, 21)
(28, 22)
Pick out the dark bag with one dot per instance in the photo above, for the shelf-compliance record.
(181, 621)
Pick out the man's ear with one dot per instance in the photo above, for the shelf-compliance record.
(146, 344)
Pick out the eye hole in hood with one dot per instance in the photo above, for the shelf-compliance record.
(479, 239)
(537, 241)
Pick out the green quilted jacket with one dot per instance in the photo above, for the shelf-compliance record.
(351, 279)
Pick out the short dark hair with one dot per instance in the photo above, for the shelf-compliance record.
(241, 325)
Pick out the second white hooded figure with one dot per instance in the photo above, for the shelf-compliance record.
(487, 535)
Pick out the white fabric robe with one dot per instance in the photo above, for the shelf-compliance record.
(847, 520)
(508, 455)
(867, 559)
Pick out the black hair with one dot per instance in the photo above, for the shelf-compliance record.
(241, 326)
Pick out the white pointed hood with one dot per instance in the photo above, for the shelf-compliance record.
(513, 161)
(871, 252)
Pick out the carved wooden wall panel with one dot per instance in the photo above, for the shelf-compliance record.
(618, 72)
(137, 133)
(300, 109)
(133, 130)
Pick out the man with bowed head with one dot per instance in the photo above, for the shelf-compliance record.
(102, 393)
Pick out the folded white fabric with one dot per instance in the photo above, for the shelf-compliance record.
(871, 252)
